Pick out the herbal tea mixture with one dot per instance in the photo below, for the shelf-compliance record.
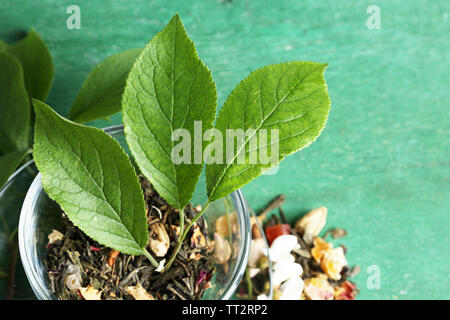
(305, 266)
(168, 101)
(80, 268)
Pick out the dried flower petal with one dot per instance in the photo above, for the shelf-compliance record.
(320, 248)
(175, 231)
(347, 291)
(90, 293)
(74, 278)
(159, 239)
(332, 263)
(226, 224)
(281, 248)
(253, 272)
(198, 240)
(138, 292)
(203, 276)
(312, 223)
(257, 250)
(54, 236)
(318, 288)
(222, 249)
(161, 265)
(92, 248)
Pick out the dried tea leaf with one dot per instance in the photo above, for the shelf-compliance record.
(336, 233)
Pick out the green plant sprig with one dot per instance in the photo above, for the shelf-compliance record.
(168, 89)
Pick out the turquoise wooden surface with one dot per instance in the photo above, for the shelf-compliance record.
(382, 164)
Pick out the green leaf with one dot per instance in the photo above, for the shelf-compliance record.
(291, 97)
(100, 95)
(37, 64)
(3, 46)
(89, 175)
(9, 163)
(168, 88)
(14, 106)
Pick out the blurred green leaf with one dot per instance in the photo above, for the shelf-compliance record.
(9, 163)
(37, 64)
(14, 106)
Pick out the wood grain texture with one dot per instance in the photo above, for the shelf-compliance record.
(382, 164)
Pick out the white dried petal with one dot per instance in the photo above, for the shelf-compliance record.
(253, 271)
(292, 289)
(161, 265)
(283, 271)
(281, 248)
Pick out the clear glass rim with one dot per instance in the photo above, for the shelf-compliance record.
(26, 223)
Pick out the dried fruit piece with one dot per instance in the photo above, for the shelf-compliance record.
(55, 236)
(347, 291)
(138, 292)
(222, 249)
(112, 257)
(90, 293)
(312, 223)
(332, 263)
(159, 239)
(273, 232)
(318, 288)
(320, 248)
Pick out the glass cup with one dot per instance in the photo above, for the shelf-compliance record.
(40, 215)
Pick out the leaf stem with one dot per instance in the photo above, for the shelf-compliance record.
(150, 257)
(181, 219)
(183, 235)
(249, 284)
